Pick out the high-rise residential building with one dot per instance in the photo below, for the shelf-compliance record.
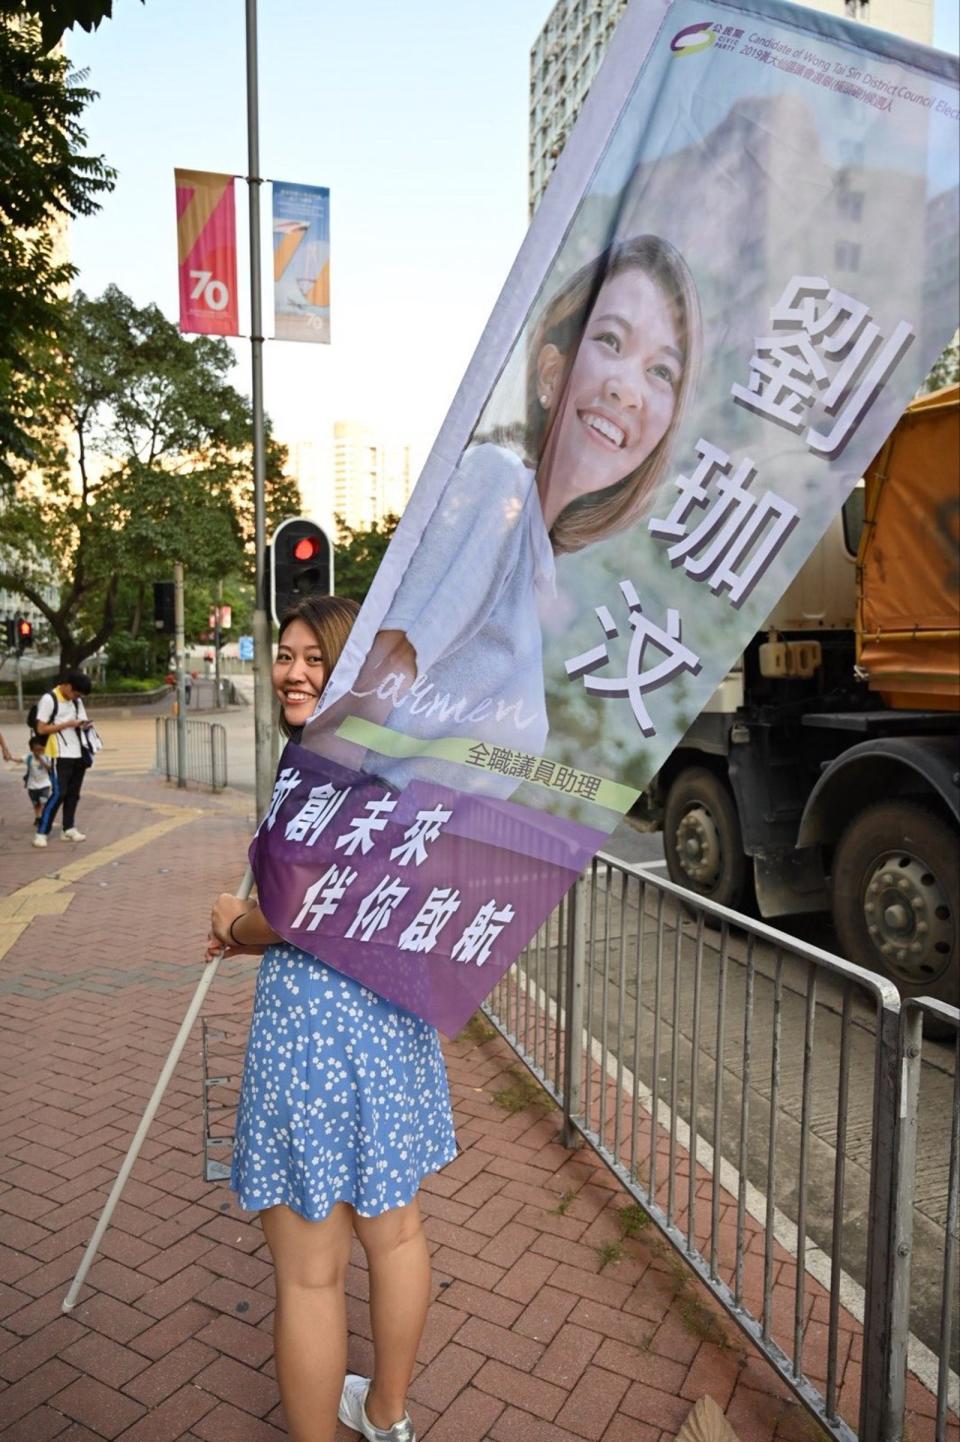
(371, 474)
(567, 53)
(310, 462)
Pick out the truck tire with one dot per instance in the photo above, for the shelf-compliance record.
(896, 897)
(702, 839)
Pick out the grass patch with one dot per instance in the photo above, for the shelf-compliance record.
(478, 1030)
(609, 1252)
(563, 1206)
(699, 1319)
(632, 1220)
(523, 1092)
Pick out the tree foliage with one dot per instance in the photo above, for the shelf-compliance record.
(359, 552)
(55, 16)
(46, 178)
(945, 370)
(154, 466)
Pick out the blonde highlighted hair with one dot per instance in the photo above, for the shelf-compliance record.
(593, 517)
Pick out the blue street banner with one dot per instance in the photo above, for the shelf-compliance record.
(742, 271)
(301, 262)
(245, 648)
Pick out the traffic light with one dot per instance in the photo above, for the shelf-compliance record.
(10, 631)
(24, 634)
(163, 607)
(299, 563)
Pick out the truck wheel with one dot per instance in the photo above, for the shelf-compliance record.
(702, 840)
(896, 897)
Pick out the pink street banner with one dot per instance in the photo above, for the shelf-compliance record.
(207, 253)
(742, 271)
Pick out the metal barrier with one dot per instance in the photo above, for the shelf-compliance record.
(206, 751)
(759, 1097)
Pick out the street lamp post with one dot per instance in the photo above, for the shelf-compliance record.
(181, 650)
(262, 638)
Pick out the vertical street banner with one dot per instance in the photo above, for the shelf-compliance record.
(741, 273)
(301, 262)
(207, 253)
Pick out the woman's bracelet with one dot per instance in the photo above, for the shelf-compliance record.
(232, 934)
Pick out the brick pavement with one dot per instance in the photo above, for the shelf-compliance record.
(555, 1318)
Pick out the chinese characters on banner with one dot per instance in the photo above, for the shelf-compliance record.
(744, 269)
(207, 253)
(421, 891)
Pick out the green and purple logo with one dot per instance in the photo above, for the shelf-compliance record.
(693, 38)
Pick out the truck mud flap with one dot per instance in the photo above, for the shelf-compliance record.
(791, 882)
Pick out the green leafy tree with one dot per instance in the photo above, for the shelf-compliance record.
(358, 553)
(56, 16)
(154, 467)
(46, 178)
(945, 370)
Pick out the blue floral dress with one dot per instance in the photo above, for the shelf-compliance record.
(344, 1096)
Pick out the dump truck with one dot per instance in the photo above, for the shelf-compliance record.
(823, 774)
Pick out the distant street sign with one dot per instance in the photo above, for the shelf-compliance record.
(245, 647)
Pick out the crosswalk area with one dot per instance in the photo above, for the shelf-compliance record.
(129, 748)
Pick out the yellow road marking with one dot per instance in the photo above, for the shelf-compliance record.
(47, 896)
(164, 807)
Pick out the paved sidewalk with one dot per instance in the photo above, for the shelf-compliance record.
(557, 1318)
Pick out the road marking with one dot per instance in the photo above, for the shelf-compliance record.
(48, 896)
(166, 808)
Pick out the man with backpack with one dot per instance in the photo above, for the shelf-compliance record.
(61, 718)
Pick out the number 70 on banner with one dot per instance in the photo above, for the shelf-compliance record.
(213, 292)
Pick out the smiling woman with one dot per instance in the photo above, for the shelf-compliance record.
(312, 635)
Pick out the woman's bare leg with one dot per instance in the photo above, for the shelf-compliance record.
(310, 1323)
(399, 1263)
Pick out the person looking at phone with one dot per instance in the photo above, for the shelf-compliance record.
(62, 721)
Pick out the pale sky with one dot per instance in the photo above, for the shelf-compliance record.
(416, 118)
(414, 115)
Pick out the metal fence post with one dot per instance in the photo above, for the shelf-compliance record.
(573, 1022)
(886, 1320)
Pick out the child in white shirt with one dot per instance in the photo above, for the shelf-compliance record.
(37, 777)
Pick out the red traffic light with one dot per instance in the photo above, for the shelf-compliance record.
(24, 628)
(306, 548)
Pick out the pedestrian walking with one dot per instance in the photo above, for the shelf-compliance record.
(344, 1108)
(38, 776)
(61, 718)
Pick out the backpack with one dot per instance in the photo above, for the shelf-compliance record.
(32, 713)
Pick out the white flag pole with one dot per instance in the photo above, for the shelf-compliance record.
(163, 1081)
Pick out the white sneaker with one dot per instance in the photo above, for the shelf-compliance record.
(39, 840)
(72, 834)
(353, 1413)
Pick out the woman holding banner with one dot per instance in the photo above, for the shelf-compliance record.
(344, 1107)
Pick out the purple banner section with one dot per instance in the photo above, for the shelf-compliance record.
(426, 896)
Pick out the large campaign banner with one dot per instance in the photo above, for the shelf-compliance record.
(207, 252)
(742, 271)
(301, 262)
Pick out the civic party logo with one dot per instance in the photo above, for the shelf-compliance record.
(693, 38)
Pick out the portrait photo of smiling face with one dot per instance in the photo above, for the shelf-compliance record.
(612, 364)
(620, 393)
